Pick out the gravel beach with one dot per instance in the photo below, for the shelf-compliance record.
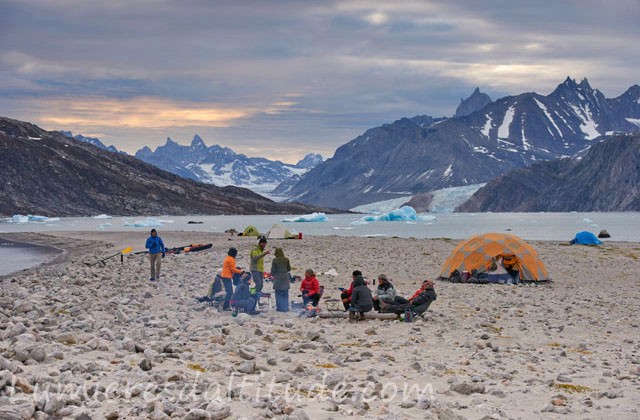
(102, 341)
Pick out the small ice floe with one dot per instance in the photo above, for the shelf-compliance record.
(313, 217)
(103, 226)
(102, 216)
(148, 222)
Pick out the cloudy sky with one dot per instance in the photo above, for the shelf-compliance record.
(280, 79)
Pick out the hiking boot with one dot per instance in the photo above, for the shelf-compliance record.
(253, 313)
(152, 279)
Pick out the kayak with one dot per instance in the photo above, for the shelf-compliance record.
(188, 248)
(180, 249)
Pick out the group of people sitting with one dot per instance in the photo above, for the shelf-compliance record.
(358, 297)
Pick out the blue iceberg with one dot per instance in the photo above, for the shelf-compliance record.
(31, 218)
(313, 217)
(402, 214)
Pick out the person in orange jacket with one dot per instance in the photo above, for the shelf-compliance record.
(229, 273)
(310, 288)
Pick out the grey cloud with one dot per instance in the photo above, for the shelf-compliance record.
(348, 69)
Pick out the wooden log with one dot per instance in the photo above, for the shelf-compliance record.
(368, 315)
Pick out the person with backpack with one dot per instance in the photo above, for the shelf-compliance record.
(256, 265)
(155, 245)
(280, 268)
(229, 272)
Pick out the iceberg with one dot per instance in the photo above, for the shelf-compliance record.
(19, 218)
(402, 214)
(313, 217)
(102, 216)
(148, 222)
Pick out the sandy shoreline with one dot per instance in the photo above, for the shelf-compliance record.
(482, 352)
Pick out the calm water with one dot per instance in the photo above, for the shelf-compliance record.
(530, 226)
(16, 256)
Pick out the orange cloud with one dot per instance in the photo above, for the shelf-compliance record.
(136, 112)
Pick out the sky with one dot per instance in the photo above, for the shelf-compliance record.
(280, 79)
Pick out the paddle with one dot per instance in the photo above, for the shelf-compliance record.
(102, 261)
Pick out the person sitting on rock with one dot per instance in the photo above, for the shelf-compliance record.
(418, 303)
(242, 298)
(385, 292)
(310, 288)
(361, 299)
(345, 296)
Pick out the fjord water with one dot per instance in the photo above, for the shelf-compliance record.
(529, 226)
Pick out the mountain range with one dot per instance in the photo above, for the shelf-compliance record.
(222, 166)
(606, 178)
(422, 154)
(50, 174)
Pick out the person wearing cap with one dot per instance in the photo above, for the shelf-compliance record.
(229, 271)
(384, 293)
(256, 258)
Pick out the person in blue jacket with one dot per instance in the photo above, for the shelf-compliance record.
(156, 249)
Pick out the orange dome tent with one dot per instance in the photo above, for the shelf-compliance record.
(481, 251)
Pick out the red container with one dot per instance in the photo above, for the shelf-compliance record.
(299, 235)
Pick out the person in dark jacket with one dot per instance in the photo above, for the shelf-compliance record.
(280, 268)
(418, 303)
(156, 249)
(243, 299)
(385, 292)
(361, 299)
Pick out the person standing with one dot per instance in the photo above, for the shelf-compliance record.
(156, 251)
(280, 268)
(256, 266)
(229, 271)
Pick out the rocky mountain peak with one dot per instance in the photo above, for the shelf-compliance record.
(198, 143)
(473, 103)
(310, 160)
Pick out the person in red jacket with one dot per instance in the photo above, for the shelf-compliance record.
(345, 296)
(310, 288)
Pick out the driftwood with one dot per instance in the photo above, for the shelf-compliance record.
(367, 315)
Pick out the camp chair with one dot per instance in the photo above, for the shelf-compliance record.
(334, 305)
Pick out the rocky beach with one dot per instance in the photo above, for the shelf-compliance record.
(102, 341)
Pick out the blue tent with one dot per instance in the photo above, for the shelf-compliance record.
(585, 238)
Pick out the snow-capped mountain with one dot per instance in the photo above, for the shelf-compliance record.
(222, 166)
(422, 154)
(91, 140)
